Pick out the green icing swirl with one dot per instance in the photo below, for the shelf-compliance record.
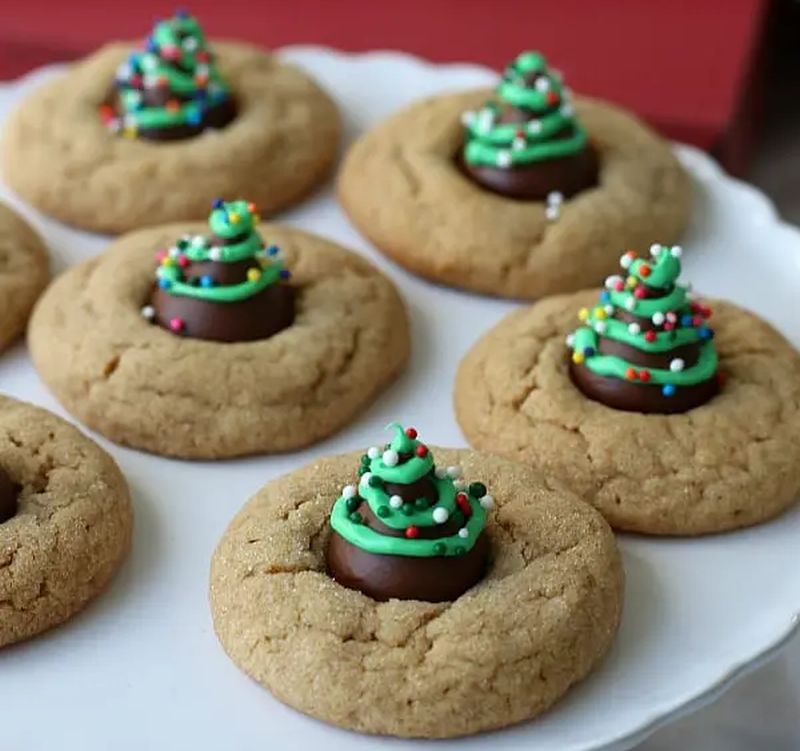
(676, 322)
(231, 220)
(378, 467)
(548, 102)
(175, 57)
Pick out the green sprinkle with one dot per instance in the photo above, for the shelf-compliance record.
(421, 503)
(440, 548)
(362, 470)
(477, 490)
(459, 550)
(375, 481)
(408, 509)
(355, 517)
(384, 511)
(352, 503)
(365, 460)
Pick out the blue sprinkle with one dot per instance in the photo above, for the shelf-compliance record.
(164, 283)
(686, 320)
(668, 390)
(273, 250)
(151, 45)
(194, 117)
(604, 296)
(285, 274)
(588, 352)
(206, 281)
(181, 13)
(217, 203)
(705, 333)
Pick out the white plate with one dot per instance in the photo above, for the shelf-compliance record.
(142, 669)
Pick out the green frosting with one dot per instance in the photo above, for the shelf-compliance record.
(669, 320)
(393, 464)
(176, 58)
(232, 221)
(548, 103)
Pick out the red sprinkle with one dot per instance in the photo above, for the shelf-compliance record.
(639, 293)
(202, 56)
(106, 112)
(412, 532)
(650, 336)
(644, 270)
(552, 97)
(697, 321)
(183, 261)
(619, 286)
(177, 324)
(161, 255)
(630, 374)
(463, 504)
(644, 375)
(421, 451)
(136, 80)
(668, 326)
(411, 433)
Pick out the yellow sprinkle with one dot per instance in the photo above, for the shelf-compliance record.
(577, 357)
(632, 282)
(129, 132)
(599, 313)
(234, 217)
(253, 275)
(583, 314)
(168, 261)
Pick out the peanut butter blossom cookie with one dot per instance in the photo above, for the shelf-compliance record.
(65, 520)
(409, 529)
(646, 346)
(219, 353)
(226, 286)
(172, 88)
(374, 612)
(23, 274)
(664, 424)
(528, 142)
(524, 191)
(138, 135)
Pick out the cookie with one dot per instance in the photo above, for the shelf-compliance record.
(502, 653)
(402, 186)
(23, 274)
(71, 523)
(143, 386)
(734, 461)
(76, 154)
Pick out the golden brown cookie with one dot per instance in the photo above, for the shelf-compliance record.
(401, 187)
(58, 155)
(23, 273)
(733, 462)
(502, 653)
(73, 522)
(146, 387)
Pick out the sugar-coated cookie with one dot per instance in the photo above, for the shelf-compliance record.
(524, 195)
(665, 424)
(200, 352)
(23, 273)
(502, 652)
(131, 137)
(65, 520)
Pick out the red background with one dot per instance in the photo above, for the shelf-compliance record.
(689, 67)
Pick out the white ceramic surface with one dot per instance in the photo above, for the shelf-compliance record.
(141, 668)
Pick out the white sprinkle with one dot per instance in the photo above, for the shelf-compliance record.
(600, 327)
(190, 44)
(612, 281)
(124, 71)
(349, 491)
(149, 62)
(676, 251)
(658, 318)
(460, 484)
(555, 198)
(518, 143)
(198, 241)
(215, 254)
(535, 127)
(463, 533)
(485, 120)
(395, 501)
(655, 249)
(677, 365)
(552, 213)
(630, 303)
(149, 312)
(454, 472)
(625, 261)
(542, 84)
(567, 110)
(365, 478)
(373, 452)
(503, 158)
(609, 309)
(390, 457)
(468, 117)
(440, 515)
(441, 473)
(174, 252)
(570, 340)
(634, 328)
(487, 502)
(672, 317)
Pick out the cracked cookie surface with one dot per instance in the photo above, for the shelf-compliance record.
(400, 186)
(23, 273)
(58, 155)
(145, 387)
(730, 463)
(73, 525)
(502, 653)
